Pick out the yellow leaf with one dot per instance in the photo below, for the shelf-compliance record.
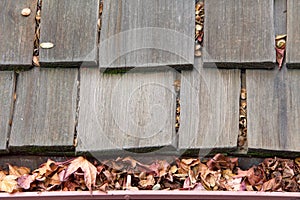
(8, 184)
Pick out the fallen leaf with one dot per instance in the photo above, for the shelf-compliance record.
(46, 168)
(2, 175)
(26, 180)
(9, 183)
(160, 168)
(241, 173)
(187, 183)
(149, 181)
(255, 176)
(53, 180)
(18, 171)
(297, 161)
(89, 170)
(220, 161)
(279, 56)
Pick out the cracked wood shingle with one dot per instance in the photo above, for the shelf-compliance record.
(71, 25)
(16, 33)
(147, 33)
(239, 34)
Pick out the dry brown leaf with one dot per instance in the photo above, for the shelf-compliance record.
(297, 161)
(187, 183)
(160, 168)
(9, 183)
(267, 186)
(234, 184)
(241, 173)
(173, 169)
(291, 185)
(2, 175)
(26, 180)
(46, 168)
(108, 176)
(279, 56)
(54, 180)
(18, 171)
(149, 181)
(89, 170)
(220, 161)
(36, 61)
(70, 186)
(190, 161)
(256, 176)
(287, 171)
(130, 161)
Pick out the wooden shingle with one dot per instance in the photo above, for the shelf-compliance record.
(239, 34)
(209, 114)
(293, 34)
(273, 110)
(7, 84)
(71, 25)
(126, 111)
(45, 110)
(16, 33)
(147, 33)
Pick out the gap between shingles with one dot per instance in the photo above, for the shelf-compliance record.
(75, 141)
(177, 86)
(36, 42)
(242, 141)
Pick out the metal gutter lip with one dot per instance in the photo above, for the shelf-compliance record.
(208, 195)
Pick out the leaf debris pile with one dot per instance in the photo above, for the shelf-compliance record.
(199, 24)
(242, 137)
(219, 173)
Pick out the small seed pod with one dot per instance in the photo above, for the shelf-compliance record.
(26, 12)
(46, 45)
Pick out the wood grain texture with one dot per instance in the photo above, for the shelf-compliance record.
(293, 32)
(71, 25)
(133, 110)
(209, 109)
(273, 110)
(16, 33)
(45, 109)
(239, 34)
(147, 33)
(280, 16)
(7, 84)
